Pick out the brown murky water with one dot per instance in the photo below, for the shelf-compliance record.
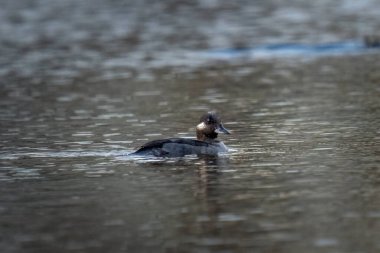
(303, 174)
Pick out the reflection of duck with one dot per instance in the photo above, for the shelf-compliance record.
(206, 143)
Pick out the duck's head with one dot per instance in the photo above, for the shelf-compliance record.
(209, 127)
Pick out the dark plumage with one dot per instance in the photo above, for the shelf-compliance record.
(156, 147)
(207, 131)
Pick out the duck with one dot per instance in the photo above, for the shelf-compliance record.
(210, 125)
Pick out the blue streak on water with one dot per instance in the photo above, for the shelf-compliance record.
(64, 154)
(293, 49)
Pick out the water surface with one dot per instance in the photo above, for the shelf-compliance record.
(76, 98)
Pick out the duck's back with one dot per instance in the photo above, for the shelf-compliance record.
(177, 147)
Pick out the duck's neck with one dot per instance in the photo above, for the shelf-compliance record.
(206, 137)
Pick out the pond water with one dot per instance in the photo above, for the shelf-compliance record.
(303, 173)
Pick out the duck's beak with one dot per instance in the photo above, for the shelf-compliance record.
(221, 130)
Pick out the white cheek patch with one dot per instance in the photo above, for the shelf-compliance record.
(201, 126)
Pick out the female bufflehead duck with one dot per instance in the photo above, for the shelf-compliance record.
(205, 144)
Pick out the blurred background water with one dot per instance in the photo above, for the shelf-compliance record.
(83, 83)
